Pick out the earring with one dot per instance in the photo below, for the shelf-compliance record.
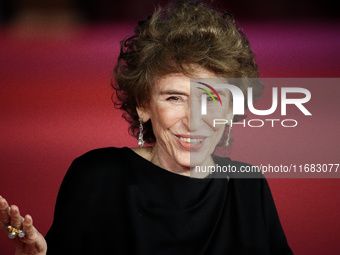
(228, 139)
(140, 136)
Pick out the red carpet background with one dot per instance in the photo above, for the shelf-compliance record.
(55, 104)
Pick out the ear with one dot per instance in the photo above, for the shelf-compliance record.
(143, 113)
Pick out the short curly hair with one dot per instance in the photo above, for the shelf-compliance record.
(175, 38)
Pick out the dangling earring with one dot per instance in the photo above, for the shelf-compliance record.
(228, 139)
(140, 136)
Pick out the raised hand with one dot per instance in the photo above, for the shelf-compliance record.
(24, 235)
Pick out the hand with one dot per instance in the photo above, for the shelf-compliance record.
(33, 242)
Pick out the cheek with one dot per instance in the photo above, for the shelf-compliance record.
(166, 116)
(218, 131)
(218, 113)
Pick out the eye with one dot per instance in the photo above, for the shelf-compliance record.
(209, 99)
(173, 98)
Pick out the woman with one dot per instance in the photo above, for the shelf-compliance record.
(142, 200)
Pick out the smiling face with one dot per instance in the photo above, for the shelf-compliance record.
(185, 138)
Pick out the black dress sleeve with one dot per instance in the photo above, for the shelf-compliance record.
(275, 234)
(66, 234)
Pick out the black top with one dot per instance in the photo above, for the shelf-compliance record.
(113, 201)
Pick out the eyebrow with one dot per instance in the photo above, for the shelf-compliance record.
(223, 92)
(173, 92)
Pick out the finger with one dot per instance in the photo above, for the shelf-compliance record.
(4, 216)
(29, 229)
(16, 219)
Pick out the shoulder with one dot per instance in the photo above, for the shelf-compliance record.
(102, 153)
(99, 162)
(103, 156)
(247, 182)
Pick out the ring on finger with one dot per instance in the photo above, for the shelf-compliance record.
(13, 232)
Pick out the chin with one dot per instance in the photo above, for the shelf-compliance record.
(197, 160)
(201, 156)
(181, 158)
(190, 159)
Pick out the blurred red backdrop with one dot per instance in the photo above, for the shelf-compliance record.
(56, 105)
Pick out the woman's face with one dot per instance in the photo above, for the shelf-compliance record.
(184, 137)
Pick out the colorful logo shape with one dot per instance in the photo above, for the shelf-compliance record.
(212, 89)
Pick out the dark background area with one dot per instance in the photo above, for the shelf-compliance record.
(111, 10)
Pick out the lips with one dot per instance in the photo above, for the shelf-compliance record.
(190, 142)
